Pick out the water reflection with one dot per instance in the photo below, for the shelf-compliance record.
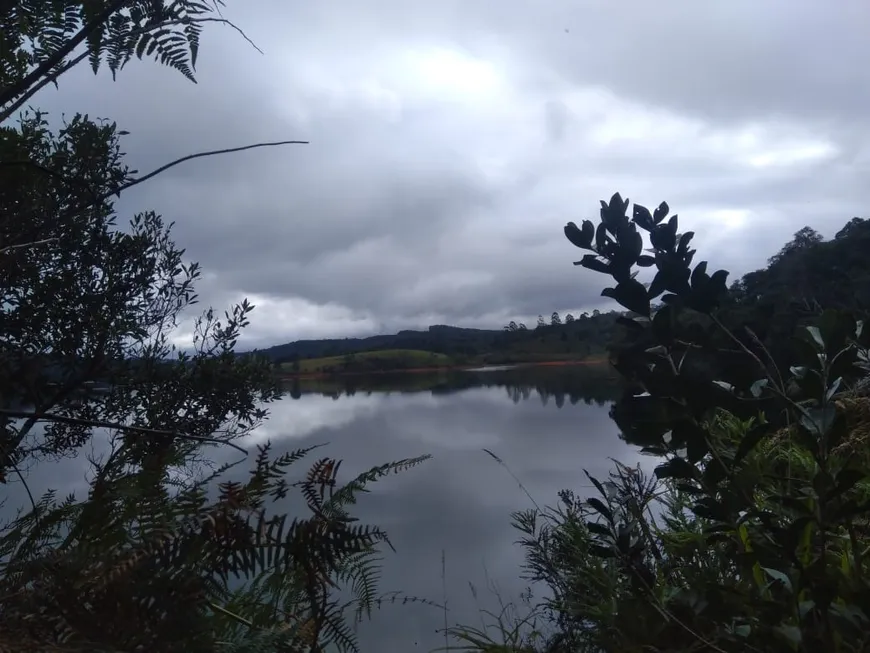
(547, 424)
(591, 384)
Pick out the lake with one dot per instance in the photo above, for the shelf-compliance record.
(546, 424)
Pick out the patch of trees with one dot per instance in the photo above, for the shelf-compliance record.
(586, 335)
(583, 336)
(451, 341)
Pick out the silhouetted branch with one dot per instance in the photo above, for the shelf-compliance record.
(51, 77)
(76, 421)
(48, 79)
(224, 21)
(11, 92)
(26, 489)
(150, 175)
(198, 155)
(34, 243)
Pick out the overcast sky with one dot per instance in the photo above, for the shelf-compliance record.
(450, 142)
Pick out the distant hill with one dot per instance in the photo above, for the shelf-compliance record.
(575, 339)
(806, 275)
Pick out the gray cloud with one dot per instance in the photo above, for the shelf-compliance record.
(450, 142)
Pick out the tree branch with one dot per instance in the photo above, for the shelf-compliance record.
(189, 157)
(224, 21)
(34, 243)
(29, 493)
(48, 79)
(52, 77)
(134, 182)
(9, 93)
(76, 421)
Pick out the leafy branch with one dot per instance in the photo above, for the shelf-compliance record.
(15, 90)
(78, 421)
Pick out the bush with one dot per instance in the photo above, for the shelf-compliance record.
(753, 535)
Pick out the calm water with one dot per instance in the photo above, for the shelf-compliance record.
(546, 424)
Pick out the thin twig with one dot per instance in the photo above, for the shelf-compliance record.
(767, 353)
(63, 419)
(189, 157)
(668, 615)
(224, 21)
(779, 391)
(519, 482)
(72, 213)
(34, 243)
(231, 615)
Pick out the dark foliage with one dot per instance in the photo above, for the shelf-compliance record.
(753, 535)
(39, 38)
(807, 275)
(164, 552)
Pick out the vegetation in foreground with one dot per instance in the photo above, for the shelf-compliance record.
(163, 552)
(754, 533)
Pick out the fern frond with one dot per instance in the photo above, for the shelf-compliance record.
(347, 494)
(154, 563)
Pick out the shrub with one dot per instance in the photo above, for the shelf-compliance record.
(753, 535)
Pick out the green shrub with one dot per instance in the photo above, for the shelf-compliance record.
(753, 535)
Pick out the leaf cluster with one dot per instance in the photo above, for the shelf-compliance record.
(38, 39)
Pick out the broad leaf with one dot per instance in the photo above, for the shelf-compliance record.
(631, 294)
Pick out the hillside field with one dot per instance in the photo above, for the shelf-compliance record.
(370, 361)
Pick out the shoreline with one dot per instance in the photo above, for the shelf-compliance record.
(444, 368)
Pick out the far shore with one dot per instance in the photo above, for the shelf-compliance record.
(443, 368)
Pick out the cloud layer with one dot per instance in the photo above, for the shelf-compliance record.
(449, 143)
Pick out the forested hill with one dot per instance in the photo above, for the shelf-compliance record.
(806, 275)
(552, 338)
